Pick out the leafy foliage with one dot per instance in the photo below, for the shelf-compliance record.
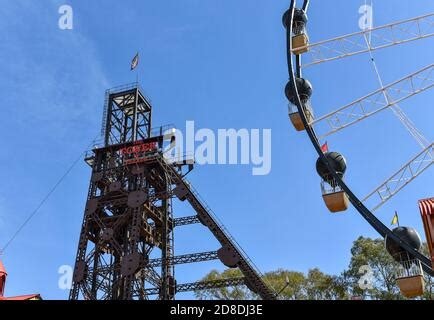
(317, 285)
(369, 252)
(293, 285)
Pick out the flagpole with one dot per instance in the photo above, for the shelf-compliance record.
(137, 73)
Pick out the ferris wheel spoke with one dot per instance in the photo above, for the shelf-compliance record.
(404, 176)
(380, 37)
(379, 100)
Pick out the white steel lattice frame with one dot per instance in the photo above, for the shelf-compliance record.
(381, 37)
(377, 101)
(410, 171)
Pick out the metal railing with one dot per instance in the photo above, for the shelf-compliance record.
(330, 187)
(124, 87)
(155, 132)
(307, 105)
(408, 268)
(226, 232)
(381, 37)
(129, 86)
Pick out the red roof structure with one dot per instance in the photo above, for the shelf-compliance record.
(3, 276)
(22, 298)
(426, 207)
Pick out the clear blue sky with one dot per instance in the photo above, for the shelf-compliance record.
(222, 64)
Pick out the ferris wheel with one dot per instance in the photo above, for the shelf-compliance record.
(403, 243)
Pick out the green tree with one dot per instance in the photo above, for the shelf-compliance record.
(371, 252)
(227, 293)
(321, 286)
(316, 285)
(291, 285)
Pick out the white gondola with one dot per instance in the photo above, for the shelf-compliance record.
(334, 198)
(295, 117)
(410, 279)
(409, 273)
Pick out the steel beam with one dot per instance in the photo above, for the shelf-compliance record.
(381, 37)
(186, 258)
(186, 221)
(376, 101)
(202, 285)
(408, 172)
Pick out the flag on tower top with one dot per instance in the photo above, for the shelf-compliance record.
(135, 61)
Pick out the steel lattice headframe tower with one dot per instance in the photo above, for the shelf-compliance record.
(128, 214)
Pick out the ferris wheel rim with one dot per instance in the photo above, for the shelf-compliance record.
(366, 214)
